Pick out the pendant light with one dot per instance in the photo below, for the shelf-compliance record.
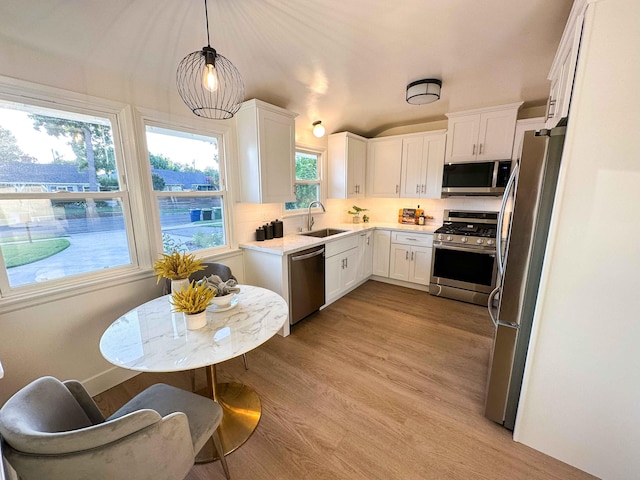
(209, 83)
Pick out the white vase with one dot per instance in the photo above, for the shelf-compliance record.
(177, 285)
(195, 321)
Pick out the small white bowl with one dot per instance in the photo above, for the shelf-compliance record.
(223, 301)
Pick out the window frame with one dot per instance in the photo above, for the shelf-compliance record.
(195, 127)
(321, 182)
(118, 115)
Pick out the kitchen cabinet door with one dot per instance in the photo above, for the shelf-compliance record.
(420, 265)
(399, 262)
(463, 138)
(422, 165)
(341, 274)
(332, 277)
(365, 255)
(481, 135)
(495, 138)
(266, 150)
(381, 252)
(414, 168)
(347, 155)
(384, 161)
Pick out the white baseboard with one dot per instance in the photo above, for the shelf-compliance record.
(107, 379)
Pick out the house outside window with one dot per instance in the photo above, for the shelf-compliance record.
(308, 184)
(187, 173)
(53, 212)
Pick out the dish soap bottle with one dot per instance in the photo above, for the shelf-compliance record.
(421, 217)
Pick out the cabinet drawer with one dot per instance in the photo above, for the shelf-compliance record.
(339, 246)
(411, 238)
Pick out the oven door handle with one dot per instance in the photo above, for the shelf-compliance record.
(490, 252)
(490, 305)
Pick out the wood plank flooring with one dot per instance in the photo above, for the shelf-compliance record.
(386, 383)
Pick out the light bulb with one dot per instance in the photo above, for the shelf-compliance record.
(210, 78)
(318, 129)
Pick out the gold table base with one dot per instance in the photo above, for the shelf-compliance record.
(241, 413)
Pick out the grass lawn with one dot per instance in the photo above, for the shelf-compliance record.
(16, 254)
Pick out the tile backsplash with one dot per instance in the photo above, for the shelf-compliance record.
(246, 217)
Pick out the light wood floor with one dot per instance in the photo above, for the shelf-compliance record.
(387, 383)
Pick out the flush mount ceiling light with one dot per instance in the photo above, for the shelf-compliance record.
(318, 129)
(424, 91)
(209, 83)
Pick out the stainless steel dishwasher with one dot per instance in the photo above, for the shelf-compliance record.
(306, 282)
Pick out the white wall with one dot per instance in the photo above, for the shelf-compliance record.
(581, 397)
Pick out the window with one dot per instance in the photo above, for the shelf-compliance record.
(187, 173)
(58, 219)
(308, 181)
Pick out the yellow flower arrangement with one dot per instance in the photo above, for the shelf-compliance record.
(176, 266)
(193, 299)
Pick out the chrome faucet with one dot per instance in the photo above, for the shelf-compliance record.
(310, 220)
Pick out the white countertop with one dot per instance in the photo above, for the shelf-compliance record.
(153, 338)
(296, 241)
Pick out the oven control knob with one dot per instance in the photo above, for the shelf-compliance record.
(440, 236)
(449, 238)
(479, 241)
(490, 242)
(464, 240)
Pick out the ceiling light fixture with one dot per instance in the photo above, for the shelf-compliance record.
(318, 129)
(424, 91)
(209, 83)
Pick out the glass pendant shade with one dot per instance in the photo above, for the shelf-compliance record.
(318, 129)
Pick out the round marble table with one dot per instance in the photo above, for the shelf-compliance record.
(153, 338)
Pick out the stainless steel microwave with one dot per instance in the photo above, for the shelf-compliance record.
(475, 178)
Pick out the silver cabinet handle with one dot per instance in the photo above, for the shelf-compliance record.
(424, 188)
(346, 263)
(474, 149)
(412, 256)
(417, 188)
(406, 255)
(397, 188)
(480, 151)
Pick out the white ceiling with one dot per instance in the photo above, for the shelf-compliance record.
(345, 62)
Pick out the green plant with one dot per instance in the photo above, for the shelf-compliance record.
(176, 266)
(357, 210)
(170, 245)
(193, 299)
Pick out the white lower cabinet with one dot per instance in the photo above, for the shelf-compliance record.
(341, 267)
(365, 255)
(381, 250)
(410, 258)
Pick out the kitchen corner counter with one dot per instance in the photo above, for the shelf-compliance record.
(295, 242)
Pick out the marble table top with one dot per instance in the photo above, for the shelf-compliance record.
(152, 338)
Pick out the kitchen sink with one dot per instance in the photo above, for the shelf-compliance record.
(325, 232)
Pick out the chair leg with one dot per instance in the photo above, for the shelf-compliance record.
(246, 365)
(192, 374)
(218, 445)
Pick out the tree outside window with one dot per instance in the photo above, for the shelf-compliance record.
(307, 186)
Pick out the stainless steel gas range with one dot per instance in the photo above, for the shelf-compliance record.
(464, 264)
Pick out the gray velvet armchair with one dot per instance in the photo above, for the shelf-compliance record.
(53, 430)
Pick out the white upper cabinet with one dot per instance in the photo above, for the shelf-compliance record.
(422, 165)
(384, 159)
(481, 135)
(266, 150)
(347, 157)
(563, 68)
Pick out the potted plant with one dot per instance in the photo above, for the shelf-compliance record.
(356, 213)
(193, 302)
(177, 267)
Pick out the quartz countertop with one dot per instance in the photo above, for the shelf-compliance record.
(295, 242)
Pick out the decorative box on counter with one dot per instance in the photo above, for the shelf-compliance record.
(409, 215)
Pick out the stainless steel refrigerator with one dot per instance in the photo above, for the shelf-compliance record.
(523, 227)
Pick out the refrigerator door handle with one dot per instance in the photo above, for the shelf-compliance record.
(505, 199)
(492, 295)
